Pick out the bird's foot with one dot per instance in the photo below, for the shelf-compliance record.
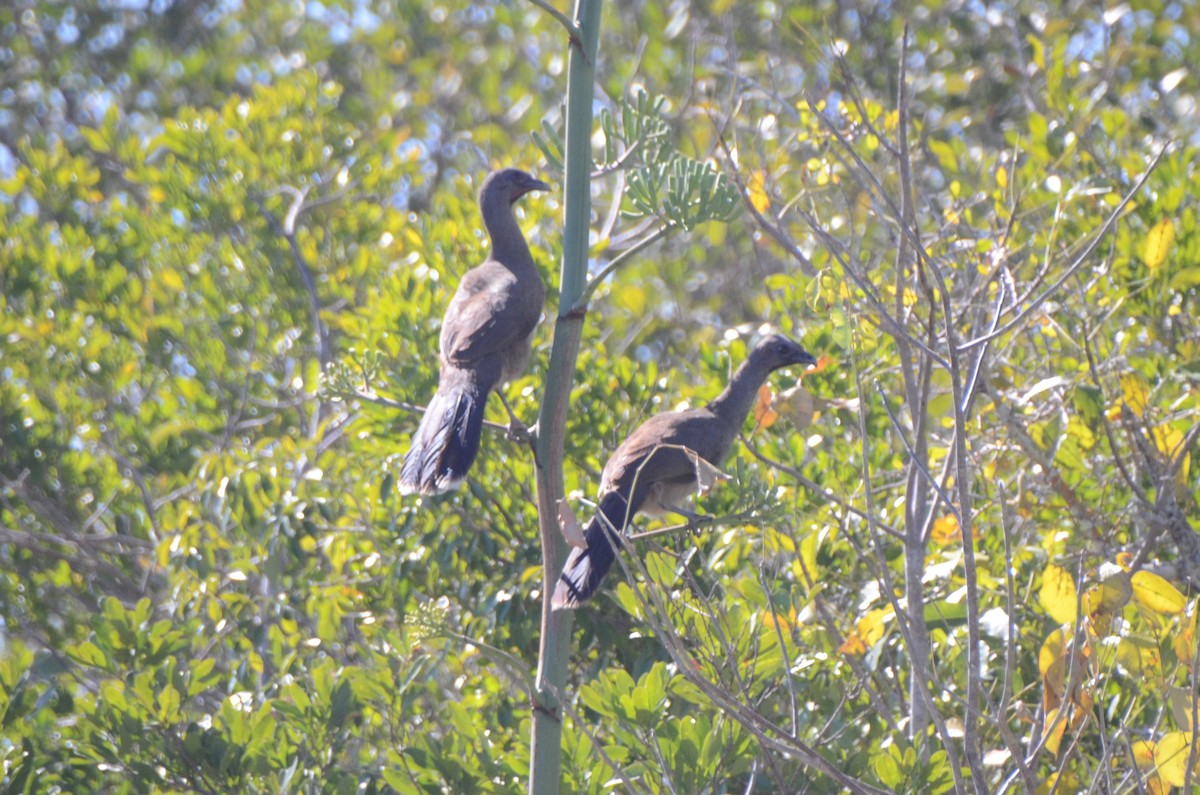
(517, 430)
(695, 521)
(520, 432)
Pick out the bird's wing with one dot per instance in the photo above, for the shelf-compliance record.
(488, 314)
(652, 454)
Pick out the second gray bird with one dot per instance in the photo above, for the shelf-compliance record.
(649, 473)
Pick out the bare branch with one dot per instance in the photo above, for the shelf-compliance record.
(1075, 265)
(570, 27)
(616, 262)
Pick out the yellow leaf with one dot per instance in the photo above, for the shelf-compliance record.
(1103, 601)
(1059, 783)
(764, 415)
(631, 298)
(866, 633)
(1171, 756)
(1143, 754)
(1136, 393)
(1084, 703)
(171, 280)
(716, 231)
(1158, 243)
(1053, 731)
(871, 625)
(1182, 705)
(1169, 441)
(808, 558)
(1143, 758)
(1002, 177)
(1155, 593)
(1139, 655)
(797, 405)
(1185, 641)
(853, 644)
(775, 619)
(1051, 651)
(1038, 49)
(946, 530)
(758, 191)
(1058, 595)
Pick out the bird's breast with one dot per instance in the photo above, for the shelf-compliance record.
(665, 496)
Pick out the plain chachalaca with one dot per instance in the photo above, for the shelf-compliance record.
(486, 341)
(651, 473)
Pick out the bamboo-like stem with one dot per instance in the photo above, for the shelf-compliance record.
(545, 760)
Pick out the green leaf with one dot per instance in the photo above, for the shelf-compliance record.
(88, 653)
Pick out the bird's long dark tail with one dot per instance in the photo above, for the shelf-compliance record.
(585, 568)
(446, 441)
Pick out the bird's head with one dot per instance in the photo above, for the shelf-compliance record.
(508, 185)
(778, 351)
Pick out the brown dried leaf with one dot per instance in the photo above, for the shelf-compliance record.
(764, 415)
(706, 473)
(569, 526)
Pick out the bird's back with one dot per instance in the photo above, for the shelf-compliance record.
(493, 313)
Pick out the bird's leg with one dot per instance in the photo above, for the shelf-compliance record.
(517, 430)
(694, 520)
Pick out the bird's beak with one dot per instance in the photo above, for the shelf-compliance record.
(535, 184)
(530, 184)
(805, 358)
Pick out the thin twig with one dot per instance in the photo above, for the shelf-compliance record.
(787, 661)
(1075, 265)
(562, 19)
(1010, 650)
(775, 230)
(287, 230)
(977, 367)
(812, 485)
(912, 455)
(616, 262)
(1118, 459)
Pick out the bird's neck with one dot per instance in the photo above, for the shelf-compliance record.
(733, 404)
(508, 243)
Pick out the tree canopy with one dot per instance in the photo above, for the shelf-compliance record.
(960, 554)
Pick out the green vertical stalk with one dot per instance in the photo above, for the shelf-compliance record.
(545, 764)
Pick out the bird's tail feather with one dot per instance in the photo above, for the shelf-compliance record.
(446, 441)
(585, 568)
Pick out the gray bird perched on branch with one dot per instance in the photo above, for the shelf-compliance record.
(486, 341)
(655, 469)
